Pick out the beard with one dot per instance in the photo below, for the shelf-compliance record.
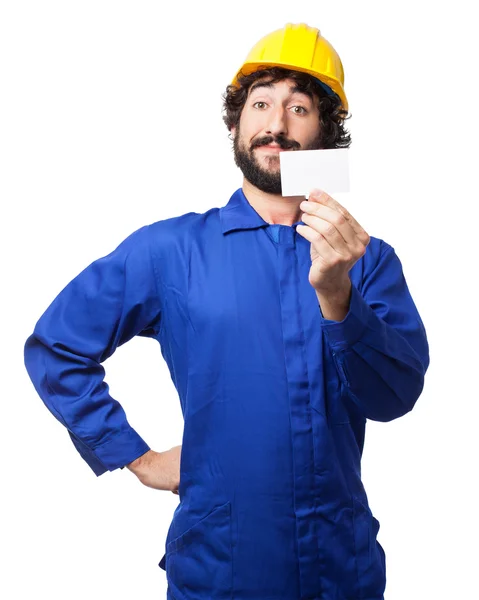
(268, 181)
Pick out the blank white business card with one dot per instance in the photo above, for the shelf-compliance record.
(304, 170)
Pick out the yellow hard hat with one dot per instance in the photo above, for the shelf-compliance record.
(299, 48)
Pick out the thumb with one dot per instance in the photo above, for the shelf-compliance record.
(316, 195)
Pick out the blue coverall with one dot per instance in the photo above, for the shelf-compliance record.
(274, 397)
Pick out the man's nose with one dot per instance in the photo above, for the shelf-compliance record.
(276, 124)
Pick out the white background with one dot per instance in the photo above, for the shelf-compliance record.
(111, 119)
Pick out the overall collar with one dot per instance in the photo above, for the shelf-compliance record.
(239, 214)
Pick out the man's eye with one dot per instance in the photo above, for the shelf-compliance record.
(259, 102)
(301, 110)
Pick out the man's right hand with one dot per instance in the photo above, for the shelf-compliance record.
(159, 470)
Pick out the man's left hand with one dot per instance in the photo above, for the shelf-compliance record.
(337, 243)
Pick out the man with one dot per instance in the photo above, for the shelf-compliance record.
(281, 339)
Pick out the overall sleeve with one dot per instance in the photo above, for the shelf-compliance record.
(107, 304)
(380, 348)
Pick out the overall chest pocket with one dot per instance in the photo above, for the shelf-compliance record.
(199, 562)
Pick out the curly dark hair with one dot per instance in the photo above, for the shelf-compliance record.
(331, 113)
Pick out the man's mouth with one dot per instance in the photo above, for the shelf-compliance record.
(269, 145)
(275, 148)
(271, 148)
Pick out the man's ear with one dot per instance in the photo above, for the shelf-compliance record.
(233, 132)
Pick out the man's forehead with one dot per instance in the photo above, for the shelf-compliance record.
(267, 82)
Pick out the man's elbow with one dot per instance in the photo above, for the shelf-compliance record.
(397, 405)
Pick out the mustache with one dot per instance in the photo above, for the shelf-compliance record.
(282, 142)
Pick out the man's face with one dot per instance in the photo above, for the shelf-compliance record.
(276, 117)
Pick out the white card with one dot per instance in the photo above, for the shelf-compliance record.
(304, 170)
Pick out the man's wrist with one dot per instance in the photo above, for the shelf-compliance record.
(139, 463)
(335, 306)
